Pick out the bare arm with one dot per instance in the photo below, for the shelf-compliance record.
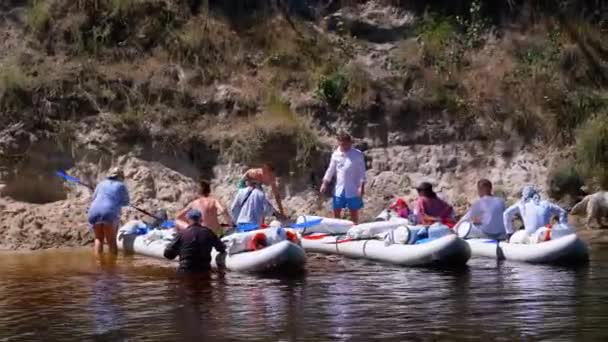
(277, 196)
(221, 210)
(181, 215)
(507, 217)
(329, 174)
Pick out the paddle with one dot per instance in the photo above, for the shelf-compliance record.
(62, 174)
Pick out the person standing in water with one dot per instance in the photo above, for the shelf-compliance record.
(264, 176)
(486, 212)
(193, 245)
(210, 208)
(109, 197)
(347, 164)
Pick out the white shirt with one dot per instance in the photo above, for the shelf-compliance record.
(349, 169)
(489, 209)
(534, 215)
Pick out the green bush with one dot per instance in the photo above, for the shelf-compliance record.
(38, 15)
(333, 88)
(592, 150)
(565, 180)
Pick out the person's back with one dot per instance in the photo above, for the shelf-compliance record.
(534, 212)
(209, 208)
(110, 195)
(194, 245)
(488, 210)
(250, 206)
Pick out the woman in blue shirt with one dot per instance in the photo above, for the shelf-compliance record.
(104, 214)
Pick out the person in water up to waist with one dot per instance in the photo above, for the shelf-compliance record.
(264, 176)
(534, 211)
(429, 208)
(193, 245)
(250, 206)
(103, 215)
(486, 212)
(347, 164)
(210, 208)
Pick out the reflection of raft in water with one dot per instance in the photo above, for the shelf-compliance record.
(362, 242)
(281, 255)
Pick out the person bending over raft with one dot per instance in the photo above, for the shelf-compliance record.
(430, 209)
(264, 176)
(109, 197)
(193, 245)
(210, 208)
(535, 212)
(348, 166)
(250, 206)
(486, 212)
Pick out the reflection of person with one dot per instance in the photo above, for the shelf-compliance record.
(109, 197)
(486, 212)
(209, 206)
(348, 166)
(430, 208)
(535, 212)
(193, 245)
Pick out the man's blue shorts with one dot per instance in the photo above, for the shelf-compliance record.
(352, 203)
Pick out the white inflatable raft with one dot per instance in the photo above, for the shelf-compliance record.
(567, 249)
(447, 250)
(283, 255)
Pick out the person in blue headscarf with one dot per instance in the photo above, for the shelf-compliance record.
(109, 197)
(534, 211)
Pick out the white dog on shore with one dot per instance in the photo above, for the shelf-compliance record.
(596, 206)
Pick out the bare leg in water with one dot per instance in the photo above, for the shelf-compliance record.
(105, 232)
(110, 236)
(98, 230)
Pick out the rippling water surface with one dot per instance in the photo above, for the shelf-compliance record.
(69, 295)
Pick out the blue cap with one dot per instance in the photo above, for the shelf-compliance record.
(194, 215)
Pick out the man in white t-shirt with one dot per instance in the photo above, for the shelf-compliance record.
(486, 214)
(348, 166)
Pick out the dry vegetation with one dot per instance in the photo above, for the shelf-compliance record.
(151, 68)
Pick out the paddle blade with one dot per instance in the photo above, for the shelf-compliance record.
(307, 224)
(247, 227)
(168, 224)
(67, 177)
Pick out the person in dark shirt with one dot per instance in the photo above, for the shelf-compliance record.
(193, 245)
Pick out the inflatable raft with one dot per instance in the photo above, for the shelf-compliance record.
(446, 250)
(566, 249)
(282, 255)
(561, 250)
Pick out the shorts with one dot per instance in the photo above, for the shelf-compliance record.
(107, 218)
(351, 203)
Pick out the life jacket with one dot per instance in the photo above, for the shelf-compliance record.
(257, 242)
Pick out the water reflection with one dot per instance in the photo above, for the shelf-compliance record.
(70, 295)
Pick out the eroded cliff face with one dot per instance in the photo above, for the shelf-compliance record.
(171, 104)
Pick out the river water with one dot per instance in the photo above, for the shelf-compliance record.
(70, 295)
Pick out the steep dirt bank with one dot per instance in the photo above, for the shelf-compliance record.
(173, 93)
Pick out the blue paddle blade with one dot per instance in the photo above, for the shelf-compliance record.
(307, 224)
(246, 227)
(67, 177)
(168, 224)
